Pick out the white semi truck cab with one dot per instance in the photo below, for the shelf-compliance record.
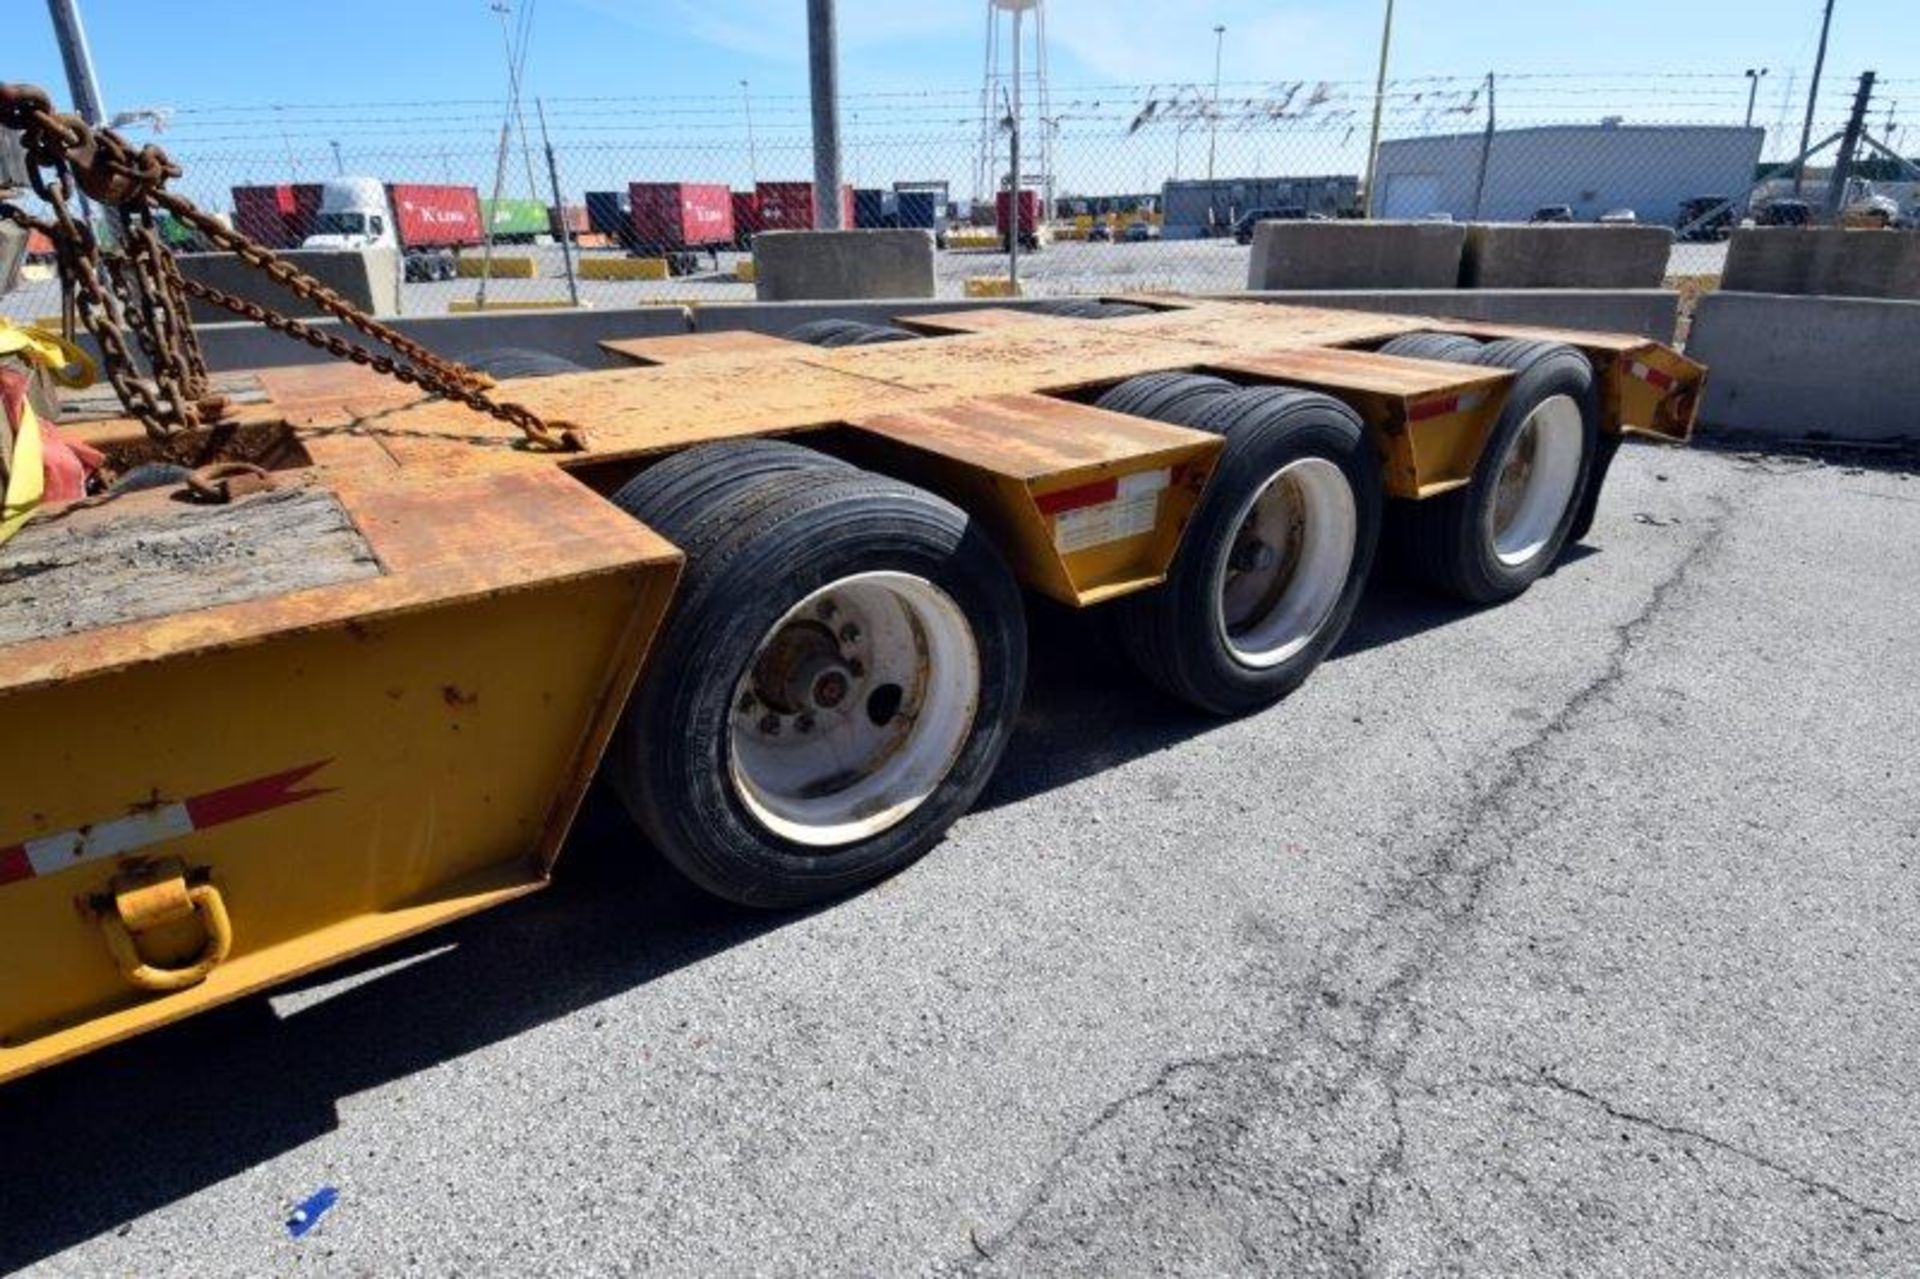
(358, 213)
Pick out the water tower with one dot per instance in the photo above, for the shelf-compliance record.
(1015, 89)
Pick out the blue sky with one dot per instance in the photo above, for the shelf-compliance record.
(219, 63)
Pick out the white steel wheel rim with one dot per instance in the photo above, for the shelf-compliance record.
(853, 709)
(1535, 480)
(1285, 571)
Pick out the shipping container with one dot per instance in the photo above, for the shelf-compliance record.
(278, 216)
(430, 217)
(873, 209)
(921, 210)
(569, 220)
(515, 221)
(746, 216)
(610, 213)
(1029, 211)
(788, 206)
(680, 215)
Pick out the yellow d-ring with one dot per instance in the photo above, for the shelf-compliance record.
(212, 913)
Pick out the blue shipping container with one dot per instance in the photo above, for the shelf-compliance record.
(872, 209)
(921, 210)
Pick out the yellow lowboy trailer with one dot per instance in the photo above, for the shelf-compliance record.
(768, 588)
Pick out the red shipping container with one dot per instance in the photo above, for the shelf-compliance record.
(435, 217)
(746, 214)
(278, 216)
(788, 206)
(568, 218)
(1029, 211)
(681, 215)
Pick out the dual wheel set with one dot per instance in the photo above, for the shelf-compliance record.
(843, 666)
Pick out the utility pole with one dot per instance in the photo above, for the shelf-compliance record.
(823, 58)
(559, 205)
(1849, 146)
(1486, 152)
(1813, 96)
(1213, 109)
(78, 58)
(753, 159)
(338, 167)
(1379, 100)
(1753, 90)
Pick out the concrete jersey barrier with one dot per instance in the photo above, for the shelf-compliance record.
(1561, 256)
(1824, 261)
(1355, 255)
(792, 266)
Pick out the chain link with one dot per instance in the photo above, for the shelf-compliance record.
(141, 288)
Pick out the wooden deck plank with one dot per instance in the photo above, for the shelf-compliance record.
(1335, 368)
(985, 319)
(1030, 437)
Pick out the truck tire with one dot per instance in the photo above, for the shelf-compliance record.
(1450, 347)
(669, 495)
(1166, 397)
(1274, 558)
(826, 332)
(837, 681)
(518, 361)
(1490, 540)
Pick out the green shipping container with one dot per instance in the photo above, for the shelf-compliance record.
(515, 217)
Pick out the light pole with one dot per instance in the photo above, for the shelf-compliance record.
(1213, 107)
(1379, 99)
(1753, 90)
(338, 167)
(753, 161)
(1813, 96)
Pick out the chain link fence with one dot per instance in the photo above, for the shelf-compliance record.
(1136, 187)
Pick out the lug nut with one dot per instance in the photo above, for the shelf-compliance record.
(747, 701)
(828, 608)
(770, 725)
(856, 667)
(849, 634)
(804, 723)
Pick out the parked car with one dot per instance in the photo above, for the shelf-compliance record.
(1619, 217)
(1101, 231)
(1705, 217)
(1243, 229)
(1552, 213)
(1138, 233)
(1785, 213)
(1871, 211)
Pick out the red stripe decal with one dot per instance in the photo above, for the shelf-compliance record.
(1073, 499)
(230, 803)
(14, 864)
(1433, 408)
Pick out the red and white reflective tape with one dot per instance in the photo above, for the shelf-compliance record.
(1650, 375)
(153, 824)
(1465, 402)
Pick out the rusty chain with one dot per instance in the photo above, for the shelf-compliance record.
(141, 288)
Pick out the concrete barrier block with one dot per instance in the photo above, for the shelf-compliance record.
(1649, 312)
(1501, 255)
(1355, 255)
(794, 266)
(473, 265)
(368, 278)
(1823, 261)
(1792, 367)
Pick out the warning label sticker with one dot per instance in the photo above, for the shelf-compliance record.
(1132, 510)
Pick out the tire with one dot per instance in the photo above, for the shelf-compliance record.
(691, 759)
(518, 361)
(879, 334)
(670, 495)
(1450, 347)
(1450, 542)
(1213, 635)
(826, 332)
(1180, 398)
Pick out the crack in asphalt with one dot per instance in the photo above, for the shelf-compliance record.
(1421, 916)
(1547, 1081)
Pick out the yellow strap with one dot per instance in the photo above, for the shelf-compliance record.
(27, 479)
(68, 364)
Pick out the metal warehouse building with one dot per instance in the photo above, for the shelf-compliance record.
(1595, 168)
(1192, 205)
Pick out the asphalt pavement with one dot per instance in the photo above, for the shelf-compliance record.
(1572, 936)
